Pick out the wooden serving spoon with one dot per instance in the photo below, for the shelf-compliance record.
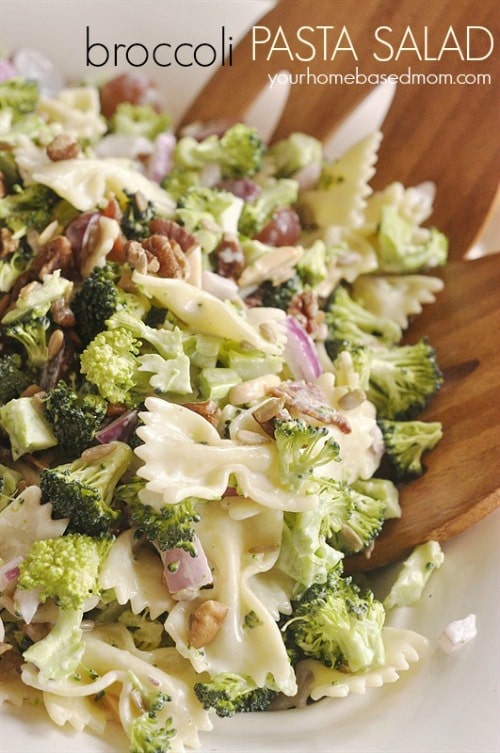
(441, 132)
(444, 132)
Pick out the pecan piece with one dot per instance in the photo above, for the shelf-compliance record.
(8, 244)
(171, 257)
(308, 400)
(305, 308)
(208, 409)
(230, 257)
(206, 622)
(55, 254)
(63, 147)
(173, 231)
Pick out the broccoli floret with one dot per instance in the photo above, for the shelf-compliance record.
(14, 377)
(405, 443)
(295, 152)
(301, 449)
(274, 194)
(229, 694)
(83, 489)
(168, 527)
(31, 333)
(280, 296)
(75, 416)
(110, 363)
(65, 569)
(349, 324)
(208, 213)
(337, 624)
(403, 379)
(26, 425)
(136, 216)
(36, 299)
(138, 120)
(18, 95)
(400, 249)
(13, 265)
(9, 481)
(151, 731)
(362, 522)
(99, 297)
(238, 152)
(28, 208)
(179, 180)
(312, 267)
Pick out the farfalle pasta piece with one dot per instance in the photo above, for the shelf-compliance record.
(184, 456)
(402, 648)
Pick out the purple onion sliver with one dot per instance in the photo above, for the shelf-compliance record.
(185, 574)
(121, 429)
(300, 353)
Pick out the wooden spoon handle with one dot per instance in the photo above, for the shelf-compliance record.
(435, 131)
(462, 481)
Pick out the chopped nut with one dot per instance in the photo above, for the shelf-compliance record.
(63, 147)
(170, 256)
(230, 257)
(55, 254)
(173, 231)
(206, 622)
(55, 343)
(208, 409)
(33, 389)
(3, 187)
(305, 308)
(8, 244)
(62, 314)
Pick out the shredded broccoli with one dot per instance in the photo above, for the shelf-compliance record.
(138, 120)
(337, 624)
(65, 569)
(75, 416)
(349, 324)
(403, 379)
(301, 449)
(169, 527)
(405, 443)
(83, 489)
(28, 208)
(238, 152)
(229, 694)
(14, 377)
(19, 95)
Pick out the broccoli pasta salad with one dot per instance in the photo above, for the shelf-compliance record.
(206, 407)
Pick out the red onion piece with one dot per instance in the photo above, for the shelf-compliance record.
(160, 161)
(7, 70)
(185, 574)
(300, 352)
(9, 573)
(121, 429)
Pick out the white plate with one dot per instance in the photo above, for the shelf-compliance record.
(447, 703)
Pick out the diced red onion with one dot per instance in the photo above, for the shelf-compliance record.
(300, 352)
(7, 70)
(27, 602)
(244, 188)
(160, 161)
(185, 574)
(9, 573)
(121, 429)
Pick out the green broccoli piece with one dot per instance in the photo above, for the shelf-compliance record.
(295, 152)
(350, 325)
(238, 152)
(65, 569)
(169, 527)
(280, 296)
(136, 216)
(35, 300)
(301, 449)
(179, 180)
(405, 443)
(229, 694)
(14, 377)
(32, 333)
(9, 482)
(29, 208)
(26, 425)
(208, 213)
(151, 731)
(403, 379)
(58, 655)
(362, 522)
(312, 267)
(75, 416)
(398, 250)
(414, 574)
(99, 297)
(110, 363)
(275, 194)
(337, 624)
(138, 120)
(18, 95)
(13, 265)
(83, 489)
